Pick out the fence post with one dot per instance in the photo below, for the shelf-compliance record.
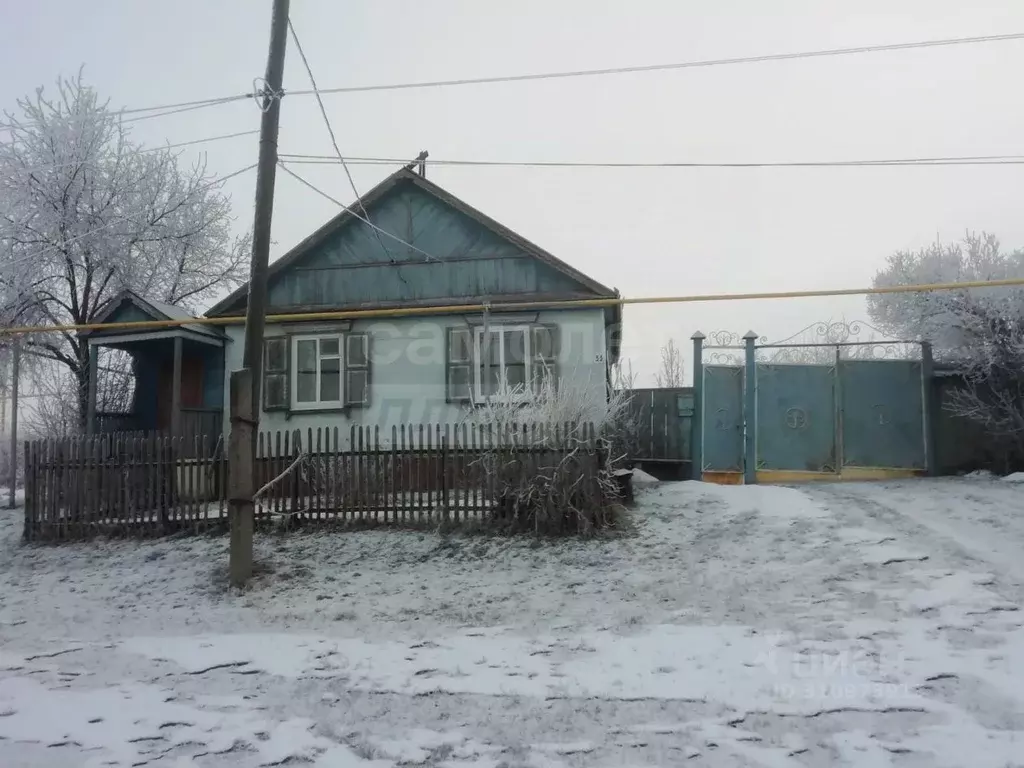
(750, 410)
(241, 487)
(697, 419)
(928, 408)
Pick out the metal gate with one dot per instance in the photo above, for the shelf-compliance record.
(853, 414)
(796, 417)
(723, 419)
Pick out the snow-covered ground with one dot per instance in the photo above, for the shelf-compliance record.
(856, 624)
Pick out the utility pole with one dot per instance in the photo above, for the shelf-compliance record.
(15, 374)
(245, 407)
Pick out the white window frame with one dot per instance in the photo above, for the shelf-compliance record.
(318, 404)
(478, 335)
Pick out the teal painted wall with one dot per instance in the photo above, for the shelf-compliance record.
(349, 268)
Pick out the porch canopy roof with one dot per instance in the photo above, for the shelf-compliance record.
(128, 307)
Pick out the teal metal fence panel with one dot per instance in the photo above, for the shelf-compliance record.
(882, 413)
(723, 418)
(796, 417)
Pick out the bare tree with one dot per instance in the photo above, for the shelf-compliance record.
(670, 373)
(978, 333)
(85, 213)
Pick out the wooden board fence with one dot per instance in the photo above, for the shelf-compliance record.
(411, 474)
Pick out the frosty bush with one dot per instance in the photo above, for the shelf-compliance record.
(549, 464)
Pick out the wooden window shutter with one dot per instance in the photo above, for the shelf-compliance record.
(458, 365)
(545, 346)
(357, 369)
(275, 373)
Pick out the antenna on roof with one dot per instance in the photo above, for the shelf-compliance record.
(419, 165)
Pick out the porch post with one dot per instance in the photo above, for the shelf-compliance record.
(697, 420)
(176, 390)
(750, 411)
(90, 405)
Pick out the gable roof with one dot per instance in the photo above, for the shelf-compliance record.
(156, 310)
(405, 175)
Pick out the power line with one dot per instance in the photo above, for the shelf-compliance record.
(112, 222)
(54, 166)
(159, 111)
(664, 67)
(334, 141)
(513, 306)
(369, 223)
(300, 159)
(185, 106)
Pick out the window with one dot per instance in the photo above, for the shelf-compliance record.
(313, 372)
(515, 360)
(317, 372)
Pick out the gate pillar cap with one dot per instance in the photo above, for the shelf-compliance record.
(698, 336)
(749, 335)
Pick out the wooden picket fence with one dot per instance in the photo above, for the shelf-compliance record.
(151, 485)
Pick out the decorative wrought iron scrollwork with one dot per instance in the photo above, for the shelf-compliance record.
(729, 340)
(722, 357)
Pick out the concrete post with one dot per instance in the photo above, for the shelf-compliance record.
(697, 420)
(241, 481)
(750, 410)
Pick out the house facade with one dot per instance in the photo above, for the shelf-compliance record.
(431, 255)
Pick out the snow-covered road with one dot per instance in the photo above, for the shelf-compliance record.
(857, 624)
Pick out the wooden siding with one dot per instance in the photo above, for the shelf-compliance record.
(349, 267)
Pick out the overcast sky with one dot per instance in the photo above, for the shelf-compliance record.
(647, 232)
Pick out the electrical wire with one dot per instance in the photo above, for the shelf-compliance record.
(55, 166)
(300, 159)
(334, 141)
(679, 65)
(112, 222)
(185, 106)
(369, 223)
(161, 111)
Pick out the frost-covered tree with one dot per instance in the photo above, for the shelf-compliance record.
(670, 371)
(978, 332)
(85, 212)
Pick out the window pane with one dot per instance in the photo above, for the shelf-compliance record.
(515, 346)
(330, 364)
(275, 354)
(490, 380)
(461, 346)
(274, 390)
(330, 384)
(305, 387)
(305, 356)
(543, 342)
(356, 350)
(330, 347)
(458, 382)
(515, 377)
(490, 347)
(357, 384)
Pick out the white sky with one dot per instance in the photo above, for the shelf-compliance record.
(646, 232)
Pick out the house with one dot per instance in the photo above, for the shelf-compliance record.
(388, 368)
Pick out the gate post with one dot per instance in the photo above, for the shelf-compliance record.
(697, 420)
(928, 408)
(750, 410)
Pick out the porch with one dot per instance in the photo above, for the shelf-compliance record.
(179, 377)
